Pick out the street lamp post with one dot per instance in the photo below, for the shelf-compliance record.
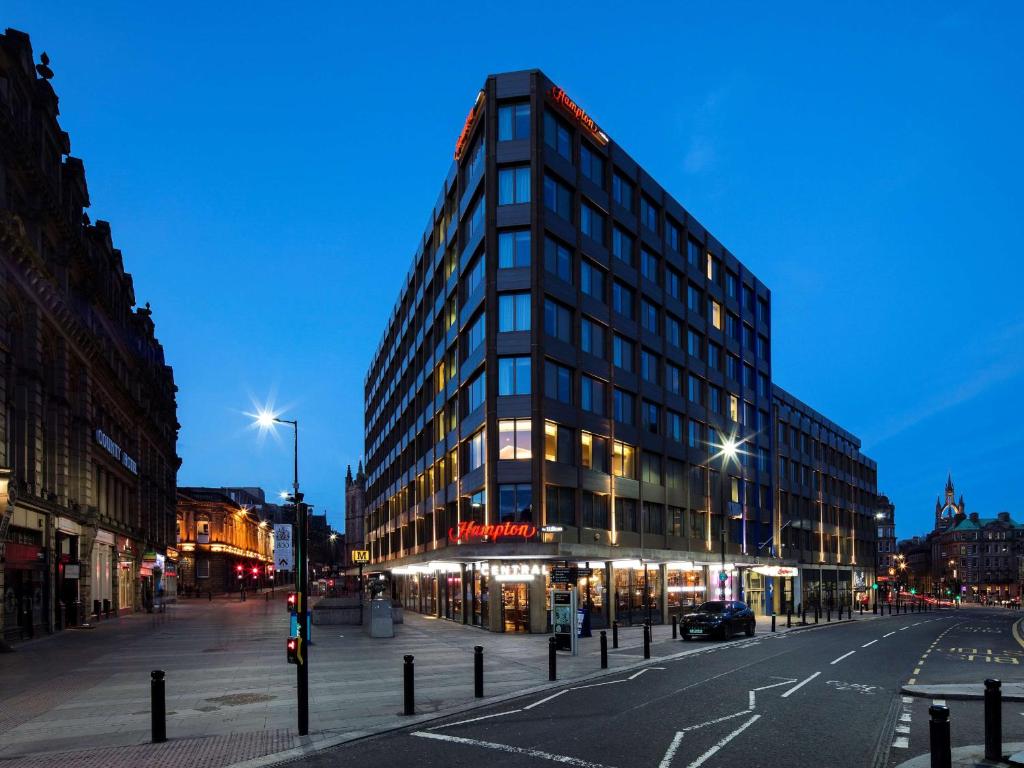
(727, 450)
(267, 420)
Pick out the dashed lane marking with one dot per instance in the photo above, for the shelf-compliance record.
(901, 742)
(871, 643)
(798, 686)
(836, 661)
(890, 634)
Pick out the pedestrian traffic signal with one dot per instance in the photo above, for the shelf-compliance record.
(874, 586)
(255, 570)
(293, 602)
(294, 647)
(723, 576)
(238, 568)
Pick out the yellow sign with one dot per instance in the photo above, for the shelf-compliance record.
(360, 555)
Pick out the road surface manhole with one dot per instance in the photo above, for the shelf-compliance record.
(238, 699)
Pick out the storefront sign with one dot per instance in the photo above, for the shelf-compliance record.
(72, 571)
(115, 450)
(561, 575)
(467, 127)
(469, 531)
(586, 121)
(687, 588)
(360, 555)
(776, 570)
(512, 571)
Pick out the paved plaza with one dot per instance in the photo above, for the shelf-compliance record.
(81, 698)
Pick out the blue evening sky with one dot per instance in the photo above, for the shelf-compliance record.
(268, 167)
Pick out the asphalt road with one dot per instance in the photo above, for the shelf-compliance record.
(824, 696)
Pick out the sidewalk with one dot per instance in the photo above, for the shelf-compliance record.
(82, 698)
(971, 757)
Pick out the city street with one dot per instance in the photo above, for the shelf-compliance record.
(821, 696)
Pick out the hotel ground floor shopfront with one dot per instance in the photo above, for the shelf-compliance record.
(506, 588)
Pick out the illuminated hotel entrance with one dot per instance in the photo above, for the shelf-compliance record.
(515, 606)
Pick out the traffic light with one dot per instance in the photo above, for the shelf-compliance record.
(294, 646)
(913, 590)
(255, 570)
(238, 568)
(293, 602)
(874, 586)
(723, 576)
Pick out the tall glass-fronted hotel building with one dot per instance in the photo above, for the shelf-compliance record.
(568, 353)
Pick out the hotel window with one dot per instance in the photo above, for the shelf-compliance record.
(626, 518)
(672, 235)
(673, 378)
(514, 121)
(732, 326)
(714, 399)
(713, 268)
(622, 245)
(514, 249)
(762, 459)
(559, 506)
(676, 525)
(513, 312)
(716, 313)
(748, 337)
(734, 408)
(474, 278)
(622, 191)
(693, 433)
(623, 407)
(557, 320)
(649, 316)
(593, 452)
(654, 518)
(648, 213)
(762, 310)
(730, 284)
(558, 197)
(673, 331)
(748, 298)
(694, 299)
(762, 347)
(649, 366)
(557, 259)
(693, 340)
(558, 382)
(693, 252)
(558, 443)
(673, 283)
(475, 224)
(714, 356)
(622, 353)
(476, 451)
(762, 385)
(732, 366)
(514, 439)
(694, 390)
(622, 299)
(591, 222)
(748, 376)
(674, 426)
(557, 135)
(202, 568)
(592, 280)
(513, 375)
(591, 164)
(649, 266)
(515, 503)
(475, 393)
(514, 185)
(592, 395)
(622, 460)
(650, 468)
(595, 510)
(475, 164)
(475, 334)
(592, 338)
(651, 416)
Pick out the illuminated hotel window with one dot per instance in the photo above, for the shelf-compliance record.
(713, 266)
(514, 439)
(514, 249)
(716, 313)
(514, 185)
(558, 443)
(476, 450)
(514, 121)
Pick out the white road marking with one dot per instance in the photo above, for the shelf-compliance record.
(917, 671)
(598, 685)
(836, 661)
(902, 742)
(798, 686)
(677, 739)
(891, 633)
(902, 628)
(711, 752)
(912, 681)
(752, 697)
(671, 751)
(871, 643)
(544, 700)
(905, 717)
(776, 685)
(640, 672)
(473, 720)
(902, 729)
(564, 759)
(908, 699)
(715, 721)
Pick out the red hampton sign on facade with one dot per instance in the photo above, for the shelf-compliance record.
(469, 530)
(474, 112)
(562, 99)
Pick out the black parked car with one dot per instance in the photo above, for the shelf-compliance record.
(720, 619)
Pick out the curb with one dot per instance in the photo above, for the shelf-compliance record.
(973, 756)
(914, 690)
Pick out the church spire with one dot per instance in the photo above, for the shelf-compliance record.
(949, 484)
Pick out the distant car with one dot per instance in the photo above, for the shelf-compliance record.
(720, 619)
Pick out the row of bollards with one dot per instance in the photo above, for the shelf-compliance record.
(940, 743)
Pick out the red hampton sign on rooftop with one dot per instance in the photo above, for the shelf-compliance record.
(562, 99)
(474, 112)
(469, 530)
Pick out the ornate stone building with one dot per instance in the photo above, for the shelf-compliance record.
(355, 511)
(88, 424)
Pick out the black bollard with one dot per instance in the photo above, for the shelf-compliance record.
(604, 649)
(410, 708)
(647, 641)
(938, 736)
(675, 627)
(874, 608)
(773, 622)
(615, 634)
(552, 672)
(478, 671)
(828, 615)
(158, 705)
(993, 720)
(209, 596)
(789, 618)
(804, 619)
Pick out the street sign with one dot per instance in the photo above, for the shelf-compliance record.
(564, 619)
(284, 554)
(562, 575)
(360, 555)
